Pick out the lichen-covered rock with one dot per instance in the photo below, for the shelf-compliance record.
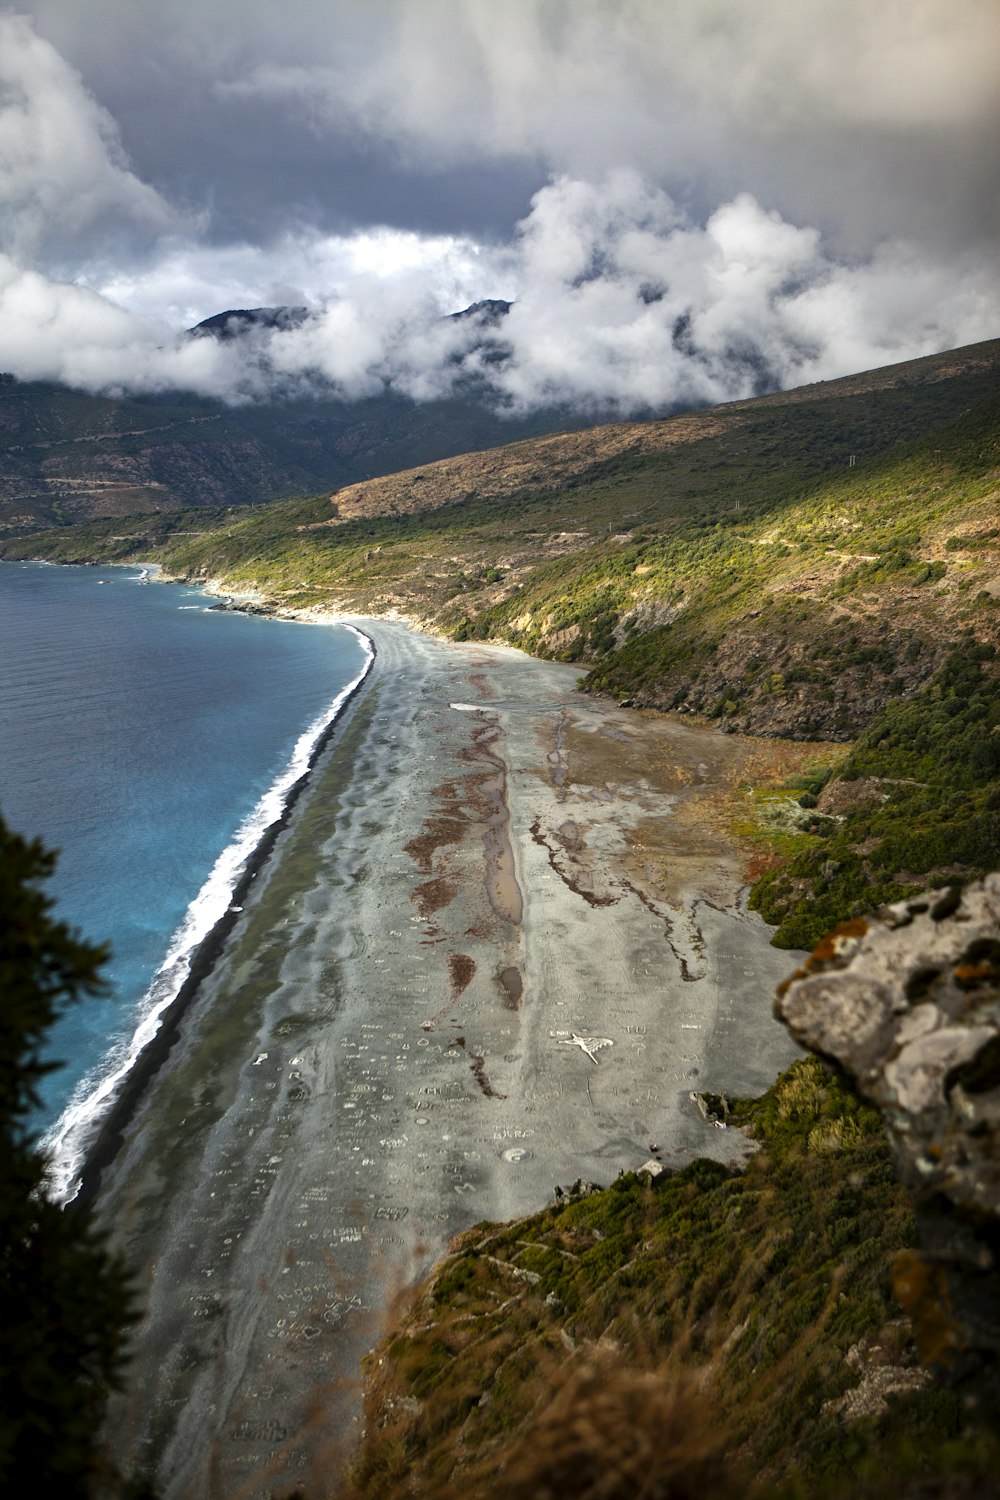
(908, 1005)
(880, 1378)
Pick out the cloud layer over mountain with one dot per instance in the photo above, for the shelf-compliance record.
(684, 201)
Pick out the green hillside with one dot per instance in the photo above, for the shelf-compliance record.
(820, 564)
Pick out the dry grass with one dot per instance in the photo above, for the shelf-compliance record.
(499, 472)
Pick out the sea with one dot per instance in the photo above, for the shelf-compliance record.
(151, 740)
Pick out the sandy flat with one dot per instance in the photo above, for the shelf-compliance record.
(500, 942)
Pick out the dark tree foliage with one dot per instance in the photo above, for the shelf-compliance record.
(65, 1301)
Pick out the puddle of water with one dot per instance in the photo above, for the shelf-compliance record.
(513, 988)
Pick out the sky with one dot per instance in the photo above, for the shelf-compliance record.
(685, 201)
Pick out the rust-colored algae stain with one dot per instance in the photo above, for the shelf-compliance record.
(479, 1073)
(968, 976)
(462, 969)
(839, 943)
(478, 797)
(433, 895)
(443, 830)
(836, 948)
(438, 834)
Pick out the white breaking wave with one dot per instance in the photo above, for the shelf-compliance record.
(67, 1142)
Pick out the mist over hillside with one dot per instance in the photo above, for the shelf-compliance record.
(67, 457)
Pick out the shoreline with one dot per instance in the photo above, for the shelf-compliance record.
(109, 1138)
(487, 869)
(106, 1130)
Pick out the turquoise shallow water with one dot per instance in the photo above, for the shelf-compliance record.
(151, 741)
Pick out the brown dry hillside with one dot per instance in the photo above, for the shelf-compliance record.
(555, 461)
(550, 462)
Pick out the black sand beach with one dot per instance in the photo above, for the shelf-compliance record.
(110, 1136)
(498, 942)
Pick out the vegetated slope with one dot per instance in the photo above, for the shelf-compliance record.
(733, 562)
(916, 804)
(66, 457)
(710, 1334)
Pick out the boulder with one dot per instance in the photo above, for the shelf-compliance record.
(907, 1003)
(581, 1188)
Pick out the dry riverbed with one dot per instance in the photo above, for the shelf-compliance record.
(502, 939)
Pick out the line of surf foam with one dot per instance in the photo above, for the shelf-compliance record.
(67, 1143)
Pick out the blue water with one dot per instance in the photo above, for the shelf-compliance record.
(150, 741)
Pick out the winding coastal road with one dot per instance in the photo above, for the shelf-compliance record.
(498, 945)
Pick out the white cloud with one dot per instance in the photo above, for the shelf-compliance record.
(64, 178)
(671, 312)
(624, 300)
(57, 331)
(622, 304)
(187, 281)
(876, 118)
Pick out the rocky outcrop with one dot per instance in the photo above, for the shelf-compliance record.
(823, 674)
(908, 1004)
(880, 1378)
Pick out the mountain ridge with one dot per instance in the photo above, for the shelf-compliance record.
(67, 457)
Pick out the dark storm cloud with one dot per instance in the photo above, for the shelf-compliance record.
(683, 198)
(869, 119)
(174, 76)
